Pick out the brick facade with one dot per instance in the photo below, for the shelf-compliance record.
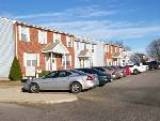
(33, 46)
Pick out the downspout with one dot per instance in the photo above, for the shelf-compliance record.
(15, 37)
(65, 63)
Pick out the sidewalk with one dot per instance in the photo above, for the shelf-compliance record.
(13, 94)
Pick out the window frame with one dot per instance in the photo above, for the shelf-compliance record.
(23, 30)
(42, 37)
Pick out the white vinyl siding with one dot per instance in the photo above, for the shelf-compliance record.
(56, 37)
(42, 37)
(7, 46)
(24, 34)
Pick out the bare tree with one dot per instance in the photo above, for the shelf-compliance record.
(138, 58)
(121, 43)
(154, 49)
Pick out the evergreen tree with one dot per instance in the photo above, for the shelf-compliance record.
(15, 71)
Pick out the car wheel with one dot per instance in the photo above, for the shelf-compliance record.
(136, 72)
(34, 88)
(76, 87)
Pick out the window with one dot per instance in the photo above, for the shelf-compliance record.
(42, 37)
(24, 34)
(92, 48)
(64, 74)
(116, 49)
(31, 63)
(78, 45)
(31, 59)
(84, 46)
(52, 75)
(111, 48)
(68, 60)
(56, 37)
(107, 48)
(69, 42)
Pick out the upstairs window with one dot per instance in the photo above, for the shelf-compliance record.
(56, 37)
(78, 45)
(107, 48)
(92, 48)
(42, 37)
(69, 42)
(85, 46)
(24, 34)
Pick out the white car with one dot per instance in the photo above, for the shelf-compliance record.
(138, 68)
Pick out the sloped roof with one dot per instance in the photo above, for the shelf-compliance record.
(37, 26)
(58, 48)
(116, 55)
(84, 54)
(49, 46)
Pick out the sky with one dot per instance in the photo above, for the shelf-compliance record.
(135, 22)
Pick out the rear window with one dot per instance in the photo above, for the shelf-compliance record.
(78, 72)
(101, 69)
(131, 65)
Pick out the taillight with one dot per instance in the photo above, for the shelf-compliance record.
(90, 77)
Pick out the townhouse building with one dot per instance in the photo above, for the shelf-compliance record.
(113, 54)
(36, 48)
(84, 52)
(43, 49)
(88, 53)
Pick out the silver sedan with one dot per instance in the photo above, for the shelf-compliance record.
(61, 80)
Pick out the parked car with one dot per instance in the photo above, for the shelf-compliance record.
(103, 78)
(118, 72)
(153, 65)
(103, 70)
(60, 80)
(138, 68)
(90, 75)
(115, 71)
(110, 70)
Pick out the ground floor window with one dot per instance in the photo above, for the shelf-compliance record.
(68, 60)
(31, 62)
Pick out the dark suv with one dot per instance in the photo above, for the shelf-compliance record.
(153, 65)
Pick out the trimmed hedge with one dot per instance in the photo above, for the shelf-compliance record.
(15, 71)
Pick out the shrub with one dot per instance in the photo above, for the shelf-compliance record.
(15, 71)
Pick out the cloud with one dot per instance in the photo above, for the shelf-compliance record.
(33, 16)
(91, 21)
(78, 12)
(107, 29)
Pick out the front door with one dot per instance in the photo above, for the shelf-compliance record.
(53, 62)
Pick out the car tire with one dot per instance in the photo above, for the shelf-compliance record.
(23, 90)
(135, 72)
(76, 87)
(34, 88)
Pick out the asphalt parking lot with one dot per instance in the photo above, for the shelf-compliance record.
(134, 98)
